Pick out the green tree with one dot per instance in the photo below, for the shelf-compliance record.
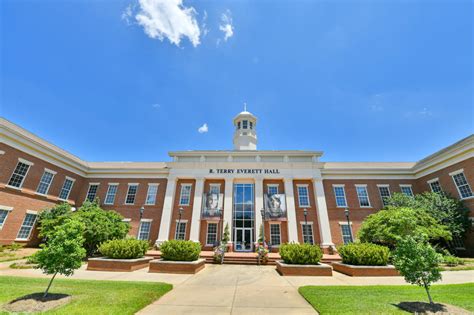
(100, 225)
(49, 219)
(447, 210)
(387, 226)
(63, 251)
(418, 262)
(226, 236)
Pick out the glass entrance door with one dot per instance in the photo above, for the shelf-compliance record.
(243, 216)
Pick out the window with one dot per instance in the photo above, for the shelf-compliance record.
(346, 233)
(303, 198)
(180, 233)
(211, 238)
(435, 186)
(307, 233)
(363, 196)
(131, 193)
(19, 174)
(111, 192)
(144, 230)
(384, 191)
(272, 190)
(26, 226)
(251, 124)
(3, 216)
(45, 182)
(92, 193)
(215, 189)
(275, 235)
(457, 242)
(340, 195)
(238, 125)
(406, 190)
(151, 194)
(67, 187)
(245, 124)
(185, 195)
(461, 183)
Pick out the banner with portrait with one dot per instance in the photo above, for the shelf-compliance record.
(275, 206)
(212, 205)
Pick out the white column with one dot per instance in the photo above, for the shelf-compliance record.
(322, 209)
(164, 231)
(196, 217)
(229, 189)
(258, 206)
(291, 211)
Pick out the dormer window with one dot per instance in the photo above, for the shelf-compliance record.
(245, 124)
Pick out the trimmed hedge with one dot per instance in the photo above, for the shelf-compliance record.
(364, 254)
(300, 254)
(124, 248)
(180, 250)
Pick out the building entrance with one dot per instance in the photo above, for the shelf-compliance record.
(243, 216)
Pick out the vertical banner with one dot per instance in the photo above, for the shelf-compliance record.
(212, 205)
(275, 206)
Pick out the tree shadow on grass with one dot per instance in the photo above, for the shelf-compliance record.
(35, 302)
(427, 308)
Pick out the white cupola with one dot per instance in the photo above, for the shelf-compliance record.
(245, 135)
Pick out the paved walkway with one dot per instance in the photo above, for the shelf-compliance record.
(234, 289)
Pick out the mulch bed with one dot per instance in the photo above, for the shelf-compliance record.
(427, 308)
(36, 303)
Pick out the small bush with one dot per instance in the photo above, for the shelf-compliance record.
(452, 261)
(14, 247)
(124, 249)
(365, 254)
(179, 250)
(301, 254)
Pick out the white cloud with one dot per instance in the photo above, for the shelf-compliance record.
(226, 25)
(203, 128)
(127, 14)
(167, 19)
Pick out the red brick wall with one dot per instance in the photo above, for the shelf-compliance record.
(187, 215)
(312, 211)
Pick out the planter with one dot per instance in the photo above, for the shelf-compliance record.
(168, 266)
(109, 264)
(365, 271)
(303, 270)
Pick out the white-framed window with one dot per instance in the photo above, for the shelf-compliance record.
(215, 188)
(45, 182)
(151, 194)
(272, 189)
(307, 229)
(340, 195)
(363, 196)
(185, 195)
(180, 233)
(406, 190)
(66, 189)
(92, 192)
(435, 185)
(275, 234)
(4, 214)
(245, 124)
(19, 173)
(27, 226)
(346, 232)
(131, 194)
(211, 237)
(111, 193)
(384, 191)
(144, 230)
(461, 184)
(303, 195)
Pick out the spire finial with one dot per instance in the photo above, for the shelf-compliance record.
(245, 106)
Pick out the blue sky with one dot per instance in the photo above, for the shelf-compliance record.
(361, 81)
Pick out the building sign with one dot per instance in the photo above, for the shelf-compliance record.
(275, 206)
(244, 171)
(211, 205)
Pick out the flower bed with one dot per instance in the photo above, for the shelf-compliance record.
(183, 267)
(111, 264)
(178, 256)
(302, 260)
(365, 271)
(303, 270)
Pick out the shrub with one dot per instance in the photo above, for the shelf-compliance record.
(364, 254)
(124, 249)
(49, 219)
(300, 254)
(179, 250)
(452, 261)
(14, 247)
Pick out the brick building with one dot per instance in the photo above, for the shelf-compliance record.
(195, 194)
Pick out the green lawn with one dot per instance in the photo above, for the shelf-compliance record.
(88, 296)
(382, 299)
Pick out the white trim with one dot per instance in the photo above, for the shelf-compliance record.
(344, 222)
(6, 208)
(307, 195)
(207, 232)
(274, 222)
(190, 185)
(433, 180)
(113, 184)
(338, 185)
(53, 173)
(182, 221)
(126, 220)
(456, 172)
(146, 220)
(2, 152)
(153, 184)
(157, 185)
(32, 212)
(360, 185)
(134, 196)
(98, 183)
(461, 171)
(133, 184)
(25, 161)
(107, 193)
(334, 186)
(89, 188)
(406, 185)
(50, 171)
(273, 185)
(309, 222)
(383, 185)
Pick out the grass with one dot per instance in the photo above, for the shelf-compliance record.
(383, 299)
(88, 296)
